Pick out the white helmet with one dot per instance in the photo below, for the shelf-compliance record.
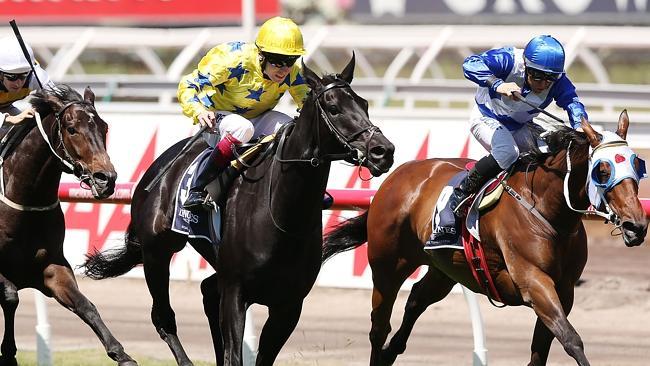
(12, 59)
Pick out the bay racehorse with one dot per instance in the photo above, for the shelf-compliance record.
(70, 138)
(534, 255)
(270, 251)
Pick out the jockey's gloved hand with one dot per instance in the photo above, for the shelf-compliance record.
(508, 89)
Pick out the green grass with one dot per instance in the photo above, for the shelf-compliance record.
(92, 358)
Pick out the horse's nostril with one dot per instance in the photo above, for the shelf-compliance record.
(378, 151)
(637, 228)
(100, 178)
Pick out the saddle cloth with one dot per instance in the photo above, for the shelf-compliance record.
(204, 225)
(445, 220)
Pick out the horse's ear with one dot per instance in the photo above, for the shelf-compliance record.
(623, 124)
(314, 82)
(89, 96)
(592, 135)
(348, 72)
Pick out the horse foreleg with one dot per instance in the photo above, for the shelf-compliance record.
(387, 280)
(156, 273)
(277, 329)
(210, 292)
(59, 281)
(433, 287)
(549, 309)
(542, 336)
(232, 319)
(9, 302)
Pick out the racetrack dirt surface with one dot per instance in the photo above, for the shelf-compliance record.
(611, 313)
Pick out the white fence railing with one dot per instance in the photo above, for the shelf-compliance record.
(393, 62)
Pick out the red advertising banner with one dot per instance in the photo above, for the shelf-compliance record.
(131, 12)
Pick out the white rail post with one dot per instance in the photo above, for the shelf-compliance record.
(250, 340)
(43, 353)
(480, 352)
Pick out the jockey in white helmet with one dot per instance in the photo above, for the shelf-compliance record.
(17, 79)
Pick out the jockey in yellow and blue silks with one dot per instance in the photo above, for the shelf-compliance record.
(499, 119)
(17, 80)
(235, 88)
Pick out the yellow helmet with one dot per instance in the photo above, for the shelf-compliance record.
(280, 35)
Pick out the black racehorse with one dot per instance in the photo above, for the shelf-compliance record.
(270, 252)
(71, 138)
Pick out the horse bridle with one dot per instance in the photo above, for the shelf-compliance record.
(609, 214)
(316, 161)
(69, 164)
(355, 155)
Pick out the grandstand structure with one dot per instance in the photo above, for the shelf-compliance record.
(407, 71)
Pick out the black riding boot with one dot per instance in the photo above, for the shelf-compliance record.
(484, 170)
(208, 171)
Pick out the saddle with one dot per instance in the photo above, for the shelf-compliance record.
(446, 228)
(491, 192)
(245, 156)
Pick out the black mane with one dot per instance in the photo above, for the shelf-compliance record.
(557, 141)
(43, 100)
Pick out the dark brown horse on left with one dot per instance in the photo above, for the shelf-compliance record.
(71, 138)
(534, 239)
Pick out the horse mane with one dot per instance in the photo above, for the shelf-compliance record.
(42, 100)
(326, 79)
(558, 140)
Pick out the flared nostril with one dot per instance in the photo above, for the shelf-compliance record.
(100, 178)
(378, 151)
(638, 229)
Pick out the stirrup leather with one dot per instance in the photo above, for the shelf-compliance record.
(461, 205)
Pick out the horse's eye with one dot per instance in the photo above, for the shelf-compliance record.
(604, 171)
(333, 109)
(71, 130)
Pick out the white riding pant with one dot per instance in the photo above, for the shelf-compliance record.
(503, 144)
(244, 129)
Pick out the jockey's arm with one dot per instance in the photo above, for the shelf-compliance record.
(299, 92)
(196, 90)
(27, 113)
(490, 68)
(567, 99)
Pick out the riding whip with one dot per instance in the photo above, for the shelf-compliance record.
(14, 26)
(521, 98)
(163, 170)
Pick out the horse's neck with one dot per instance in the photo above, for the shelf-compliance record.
(298, 187)
(31, 173)
(548, 186)
(304, 143)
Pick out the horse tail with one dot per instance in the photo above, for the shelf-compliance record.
(114, 262)
(345, 236)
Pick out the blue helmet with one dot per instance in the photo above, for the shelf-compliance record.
(545, 53)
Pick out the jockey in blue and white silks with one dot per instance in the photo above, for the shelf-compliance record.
(499, 120)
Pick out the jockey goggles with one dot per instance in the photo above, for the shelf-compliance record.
(280, 61)
(14, 77)
(539, 75)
